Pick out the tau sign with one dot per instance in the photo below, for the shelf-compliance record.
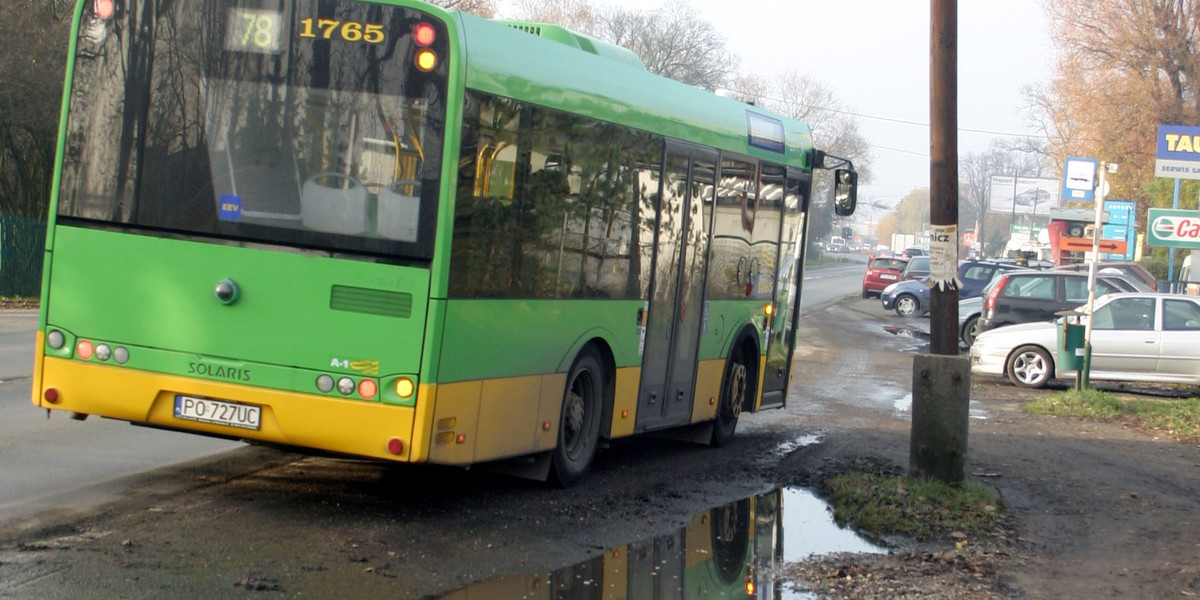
(1178, 152)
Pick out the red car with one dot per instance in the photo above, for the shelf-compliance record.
(882, 271)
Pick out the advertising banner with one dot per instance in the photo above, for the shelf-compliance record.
(1173, 228)
(1022, 195)
(1178, 152)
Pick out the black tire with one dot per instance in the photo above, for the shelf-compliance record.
(866, 294)
(970, 330)
(1029, 367)
(736, 386)
(907, 305)
(579, 423)
(1075, 230)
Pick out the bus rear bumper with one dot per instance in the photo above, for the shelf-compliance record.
(356, 427)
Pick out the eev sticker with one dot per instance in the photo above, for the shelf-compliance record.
(229, 208)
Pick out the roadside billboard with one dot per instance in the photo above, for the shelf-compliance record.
(1173, 228)
(1023, 195)
(1177, 154)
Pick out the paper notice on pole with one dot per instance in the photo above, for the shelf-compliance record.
(943, 257)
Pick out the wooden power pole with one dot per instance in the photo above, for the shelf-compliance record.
(941, 380)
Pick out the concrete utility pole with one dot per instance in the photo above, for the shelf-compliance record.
(942, 380)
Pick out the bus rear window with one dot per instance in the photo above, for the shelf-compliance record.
(306, 123)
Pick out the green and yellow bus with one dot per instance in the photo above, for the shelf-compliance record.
(385, 230)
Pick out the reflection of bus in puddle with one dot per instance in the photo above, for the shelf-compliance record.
(725, 552)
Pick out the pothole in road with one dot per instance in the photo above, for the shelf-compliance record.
(730, 551)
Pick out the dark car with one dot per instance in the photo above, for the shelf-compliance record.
(1025, 297)
(912, 297)
(1131, 270)
(917, 268)
(882, 271)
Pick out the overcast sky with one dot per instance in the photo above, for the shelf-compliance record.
(874, 54)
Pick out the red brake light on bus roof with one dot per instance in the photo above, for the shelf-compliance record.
(104, 9)
(423, 33)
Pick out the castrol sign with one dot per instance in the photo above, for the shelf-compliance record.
(1173, 228)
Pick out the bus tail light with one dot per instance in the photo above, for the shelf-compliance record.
(51, 395)
(85, 349)
(56, 339)
(325, 383)
(405, 387)
(395, 446)
(367, 388)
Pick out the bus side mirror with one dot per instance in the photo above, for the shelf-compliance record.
(845, 192)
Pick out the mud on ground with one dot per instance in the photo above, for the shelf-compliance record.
(1099, 510)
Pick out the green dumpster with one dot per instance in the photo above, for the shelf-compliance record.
(1070, 339)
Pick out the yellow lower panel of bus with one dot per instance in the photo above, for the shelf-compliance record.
(490, 419)
(708, 388)
(310, 421)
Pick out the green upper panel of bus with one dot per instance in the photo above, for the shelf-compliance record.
(604, 82)
(565, 36)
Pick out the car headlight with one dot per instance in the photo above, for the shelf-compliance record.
(889, 288)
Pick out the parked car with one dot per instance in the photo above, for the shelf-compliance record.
(1131, 270)
(1135, 337)
(1027, 296)
(911, 297)
(882, 271)
(969, 310)
(917, 268)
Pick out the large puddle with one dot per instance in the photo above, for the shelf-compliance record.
(731, 551)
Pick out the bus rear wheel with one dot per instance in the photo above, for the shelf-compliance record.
(735, 387)
(579, 423)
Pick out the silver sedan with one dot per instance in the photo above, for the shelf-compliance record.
(1135, 337)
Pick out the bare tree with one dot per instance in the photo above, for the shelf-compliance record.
(576, 15)
(483, 8)
(1125, 66)
(33, 42)
(1023, 158)
(673, 41)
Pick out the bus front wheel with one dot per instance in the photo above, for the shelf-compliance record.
(735, 387)
(579, 423)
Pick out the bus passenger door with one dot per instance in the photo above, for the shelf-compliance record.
(788, 282)
(677, 295)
